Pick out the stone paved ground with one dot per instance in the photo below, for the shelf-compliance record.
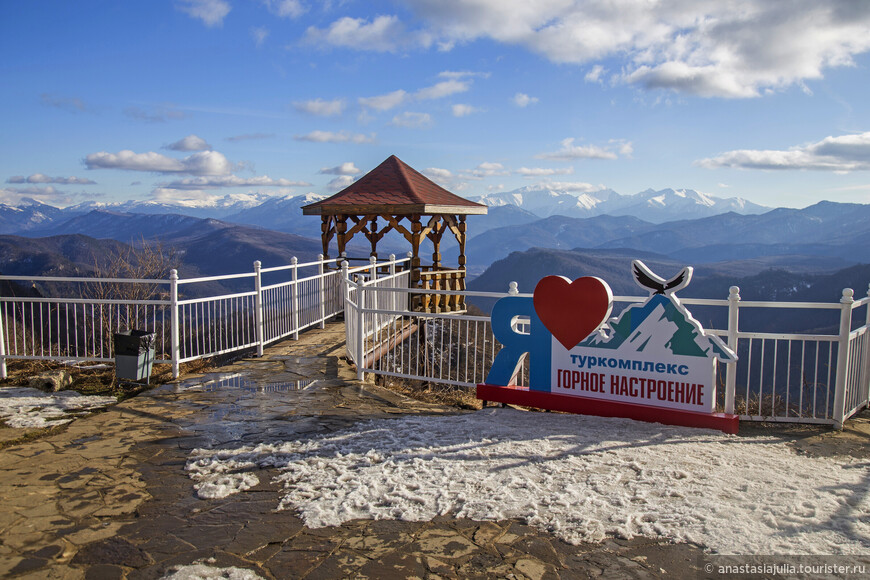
(108, 496)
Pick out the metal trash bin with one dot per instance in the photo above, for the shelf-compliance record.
(134, 354)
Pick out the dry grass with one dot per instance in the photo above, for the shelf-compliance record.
(99, 381)
(452, 396)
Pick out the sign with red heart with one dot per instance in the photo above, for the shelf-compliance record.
(571, 311)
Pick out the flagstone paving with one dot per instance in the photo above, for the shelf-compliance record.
(108, 496)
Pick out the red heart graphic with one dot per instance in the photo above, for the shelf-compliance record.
(571, 311)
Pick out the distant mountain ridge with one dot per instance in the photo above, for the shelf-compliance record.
(835, 230)
(655, 206)
(283, 213)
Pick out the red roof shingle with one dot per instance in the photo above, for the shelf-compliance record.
(396, 188)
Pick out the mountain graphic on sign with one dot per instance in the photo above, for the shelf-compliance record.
(661, 326)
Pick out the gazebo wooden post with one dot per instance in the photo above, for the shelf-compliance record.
(416, 239)
(437, 226)
(326, 233)
(373, 235)
(341, 230)
(460, 237)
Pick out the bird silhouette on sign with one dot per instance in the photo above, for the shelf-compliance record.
(645, 278)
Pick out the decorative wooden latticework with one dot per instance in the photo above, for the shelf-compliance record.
(395, 196)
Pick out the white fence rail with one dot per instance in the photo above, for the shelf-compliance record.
(786, 377)
(36, 327)
(790, 377)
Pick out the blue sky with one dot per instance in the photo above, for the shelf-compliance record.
(197, 99)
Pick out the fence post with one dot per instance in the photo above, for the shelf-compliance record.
(258, 307)
(513, 289)
(866, 380)
(373, 268)
(345, 276)
(174, 330)
(409, 301)
(360, 332)
(294, 297)
(843, 357)
(321, 291)
(731, 368)
(3, 373)
(392, 297)
(348, 327)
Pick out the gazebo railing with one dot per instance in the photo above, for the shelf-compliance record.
(438, 279)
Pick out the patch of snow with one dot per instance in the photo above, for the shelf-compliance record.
(23, 407)
(199, 571)
(580, 478)
(221, 475)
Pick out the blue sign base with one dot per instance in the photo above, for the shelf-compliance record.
(602, 408)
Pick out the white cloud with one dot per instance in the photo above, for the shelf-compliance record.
(383, 34)
(443, 89)
(739, 48)
(285, 8)
(576, 186)
(201, 163)
(569, 151)
(543, 171)
(843, 153)
(446, 178)
(594, 74)
(438, 173)
(40, 178)
(523, 100)
(333, 137)
(462, 74)
(339, 183)
(259, 34)
(626, 149)
(457, 82)
(320, 107)
(174, 196)
(198, 183)
(410, 120)
(462, 110)
(485, 169)
(211, 12)
(190, 143)
(384, 102)
(50, 195)
(346, 168)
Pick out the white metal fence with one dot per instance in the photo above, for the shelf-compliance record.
(787, 377)
(57, 327)
(791, 377)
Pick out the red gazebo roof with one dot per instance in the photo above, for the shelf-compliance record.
(394, 188)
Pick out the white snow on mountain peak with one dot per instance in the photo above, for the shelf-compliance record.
(651, 205)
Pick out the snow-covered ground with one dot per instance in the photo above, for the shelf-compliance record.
(578, 477)
(200, 571)
(25, 407)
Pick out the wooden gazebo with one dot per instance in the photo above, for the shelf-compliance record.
(394, 192)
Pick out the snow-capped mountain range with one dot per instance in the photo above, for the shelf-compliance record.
(650, 205)
(283, 213)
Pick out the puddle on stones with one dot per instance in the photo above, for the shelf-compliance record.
(233, 408)
(238, 381)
